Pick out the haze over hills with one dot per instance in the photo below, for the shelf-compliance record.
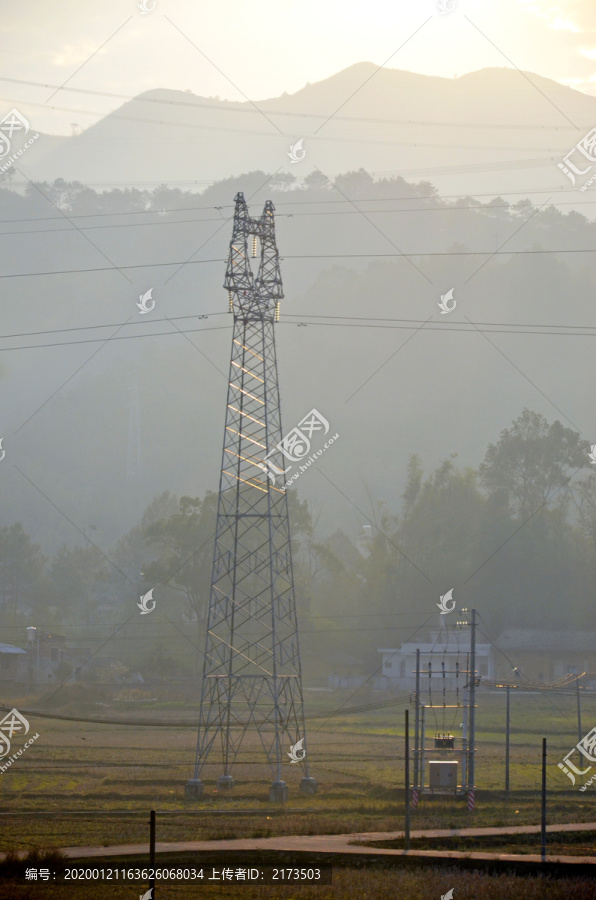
(494, 130)
(77, 259)
(391, 374)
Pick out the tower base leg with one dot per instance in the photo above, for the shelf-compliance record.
(193, 789)
(225, 783)
(278, 792)
(308, 785)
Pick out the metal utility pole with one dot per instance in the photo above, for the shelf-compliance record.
(507, 724)
(422, 739)
(152, 851)
(407, 784)
(543, 824)
(252, 678)
(472, 676)
(579, 709)
(417, 725)
(464, 735)
(134, 459)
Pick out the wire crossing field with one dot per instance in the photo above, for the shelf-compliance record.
(91, 784)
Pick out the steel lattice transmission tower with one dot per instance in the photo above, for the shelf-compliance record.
(251, 672)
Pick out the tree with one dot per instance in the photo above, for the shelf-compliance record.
(413, 484)
(355, 184)
(586, 491)
(131, 556)
(185, 544)
(8, 176)
(75, 575)
(531, 462)
(440, 537)
(282, 181)
(315, 180)
(22, 567)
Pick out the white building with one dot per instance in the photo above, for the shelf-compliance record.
(13, 663)
(444, 659)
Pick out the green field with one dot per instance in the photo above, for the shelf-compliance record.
(93, 784)
(78, 772)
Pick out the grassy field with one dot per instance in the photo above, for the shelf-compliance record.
(579, 843)
(84, 783)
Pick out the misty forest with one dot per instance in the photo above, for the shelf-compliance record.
(511, 524)
(447, 514)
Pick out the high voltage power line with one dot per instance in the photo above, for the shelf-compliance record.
(310, 618)
(364, 320)
(341, 711)
(590, 331)
(242, 108)
(224, 129)
(421, 255)
(295, 215)
(278, 203)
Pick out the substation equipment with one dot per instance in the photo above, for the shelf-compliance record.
(447, 766)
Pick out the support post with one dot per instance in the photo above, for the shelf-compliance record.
(407, 784)
(417, 725)
(464, 742)
(422, 739)
(543, 828)
(152, 852)
(507, 726)
(579, 709)
(472, 743)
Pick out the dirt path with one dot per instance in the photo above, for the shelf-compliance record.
(344, 843)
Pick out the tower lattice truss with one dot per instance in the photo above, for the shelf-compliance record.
(251, 675)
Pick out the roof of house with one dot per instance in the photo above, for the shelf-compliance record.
(452, 648)
(552, 641)
(9, 648)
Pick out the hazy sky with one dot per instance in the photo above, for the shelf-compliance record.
(261, 48)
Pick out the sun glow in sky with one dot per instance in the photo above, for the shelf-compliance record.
(238, 49)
